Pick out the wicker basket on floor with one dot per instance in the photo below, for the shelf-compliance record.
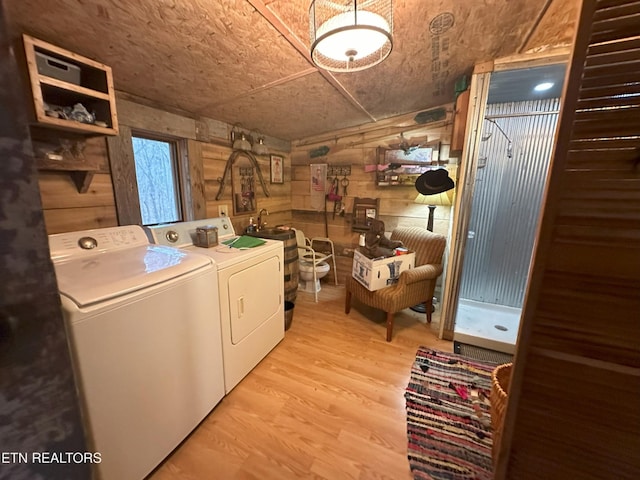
(499, 389)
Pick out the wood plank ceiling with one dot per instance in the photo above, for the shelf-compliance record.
(247, 61)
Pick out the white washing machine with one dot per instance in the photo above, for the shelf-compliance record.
(145, 338)
(251, 292)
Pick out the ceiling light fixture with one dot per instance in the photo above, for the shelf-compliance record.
(541, 87)
(259, 148)
(242, 143)
(239, 139)
(347, 36)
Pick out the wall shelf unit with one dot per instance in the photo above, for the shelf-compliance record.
(60, 79)
(397, 168)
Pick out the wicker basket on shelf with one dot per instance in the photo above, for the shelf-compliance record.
(499, 390)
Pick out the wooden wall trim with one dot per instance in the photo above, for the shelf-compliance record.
(153, 120)
(143, 114)
(478, 91)
(123, 175)
(532, 60)
(192, 163)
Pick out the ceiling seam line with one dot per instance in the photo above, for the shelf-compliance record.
(535, 25)
(345, 93)
(266, 86)
(275, 21)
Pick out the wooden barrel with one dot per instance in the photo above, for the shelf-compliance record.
(290, 266)
(290, 259)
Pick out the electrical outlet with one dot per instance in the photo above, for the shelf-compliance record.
(223, 211)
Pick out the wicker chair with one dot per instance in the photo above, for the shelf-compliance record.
(414, 286)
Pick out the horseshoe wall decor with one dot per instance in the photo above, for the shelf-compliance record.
(227, 172)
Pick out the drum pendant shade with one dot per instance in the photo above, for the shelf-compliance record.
(347, 36)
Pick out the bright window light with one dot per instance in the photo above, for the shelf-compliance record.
(541, 87)
(157, 177)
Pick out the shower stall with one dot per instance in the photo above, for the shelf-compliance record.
(513, 146)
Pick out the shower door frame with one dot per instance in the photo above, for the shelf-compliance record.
(465, 184)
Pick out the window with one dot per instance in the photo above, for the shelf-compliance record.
(158, 180)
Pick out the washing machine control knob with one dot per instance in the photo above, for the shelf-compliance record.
(172, 236)
(87, 243)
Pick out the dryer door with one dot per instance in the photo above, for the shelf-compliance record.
(254, 297)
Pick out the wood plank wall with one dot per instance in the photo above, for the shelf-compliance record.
(288, 204)
(278, 203)
(67, 210)
(357, 148)
(573, 409)
(208, 150)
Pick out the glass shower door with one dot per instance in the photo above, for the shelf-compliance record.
(514, 151)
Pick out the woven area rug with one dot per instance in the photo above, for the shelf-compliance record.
(448, 417)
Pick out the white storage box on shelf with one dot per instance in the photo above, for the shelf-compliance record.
(375, 274)
(56, 68)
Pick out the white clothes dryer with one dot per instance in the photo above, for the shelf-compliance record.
(250, 288)
(145, 338)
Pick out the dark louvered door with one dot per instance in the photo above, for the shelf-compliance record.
(574, 408)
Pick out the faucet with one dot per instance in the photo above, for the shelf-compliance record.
(260, 223)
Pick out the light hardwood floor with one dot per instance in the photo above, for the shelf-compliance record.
(326, 403)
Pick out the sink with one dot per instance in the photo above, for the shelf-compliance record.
(272, 233)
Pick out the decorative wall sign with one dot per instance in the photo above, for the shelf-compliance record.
(318, 185)
(277, 169)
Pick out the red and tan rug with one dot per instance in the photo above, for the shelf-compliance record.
(448, 417)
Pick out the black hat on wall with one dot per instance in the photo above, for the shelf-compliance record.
(433, 182)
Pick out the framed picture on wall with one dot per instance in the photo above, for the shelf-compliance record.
(277, 169)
